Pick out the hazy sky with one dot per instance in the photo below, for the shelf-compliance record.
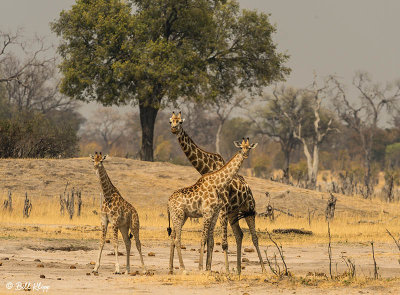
(328, 37)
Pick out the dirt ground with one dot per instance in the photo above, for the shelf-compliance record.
(17, 258)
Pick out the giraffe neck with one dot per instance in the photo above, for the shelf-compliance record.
(106, 185)
(204, 162)
(224, 176)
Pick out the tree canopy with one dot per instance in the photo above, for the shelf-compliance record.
(151, 53)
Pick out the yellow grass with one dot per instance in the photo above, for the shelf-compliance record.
(46, 222)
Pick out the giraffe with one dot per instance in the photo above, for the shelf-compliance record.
(120, 213)
(203, 200)
(238, 198)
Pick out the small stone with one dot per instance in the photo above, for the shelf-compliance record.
(132, 274)
(151, 254)
(107, 241)
(183, 247)
(176, 267)
(192, 249)
(6, 258)
(40, 265)
(72, 267)
(88, 273)
(218, 243)
(216, 251)
(248, 250)
(42, 276)
(245, 260)
(92, 263)
(1, 263)
(243, 267)
(58, 279)
(37, 260)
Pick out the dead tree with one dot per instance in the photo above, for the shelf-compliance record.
(312, 143)
(363, 115)
(79, 201)
(376, 274)
(7, 204)
(27, 206)
(62, 205)
(330, 208)
(269, 210)
(70, 204)
(330, 251)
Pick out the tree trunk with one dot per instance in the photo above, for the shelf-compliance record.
(148, 116)
(218, 138)
(309, 162)
(315, 163)
(367, 176)
(286, 172)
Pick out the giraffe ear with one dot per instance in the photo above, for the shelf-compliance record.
(181, 121)
(252, 146)
(237, 144)
(91, 157)
(104, 158)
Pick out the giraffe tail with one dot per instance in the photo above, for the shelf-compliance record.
(244, 214)
(169, 230)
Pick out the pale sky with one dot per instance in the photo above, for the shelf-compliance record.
(329, 37)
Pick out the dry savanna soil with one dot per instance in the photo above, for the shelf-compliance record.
(49, 252)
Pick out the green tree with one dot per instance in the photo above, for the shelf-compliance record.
(151, 53)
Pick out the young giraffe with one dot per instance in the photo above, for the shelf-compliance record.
(120, 213)
(202, 200)
(237, 196)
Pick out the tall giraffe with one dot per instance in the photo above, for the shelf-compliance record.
(238, 198)
(120, 213)
(202, 200)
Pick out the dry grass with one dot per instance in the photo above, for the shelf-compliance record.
(148, 185)
(46, 222)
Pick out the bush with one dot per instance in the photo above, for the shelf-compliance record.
(34, 135)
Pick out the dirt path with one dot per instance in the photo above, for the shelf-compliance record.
(17, 257)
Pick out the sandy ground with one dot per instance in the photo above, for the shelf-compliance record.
(17, 258)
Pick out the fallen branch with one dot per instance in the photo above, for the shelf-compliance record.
(292, 231)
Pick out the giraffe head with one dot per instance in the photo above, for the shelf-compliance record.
(97, 159)
(176, 122)
(245, 146)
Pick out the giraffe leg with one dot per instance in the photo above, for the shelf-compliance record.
(115, 243)
(124, 231)
(223, 220)
(210, 242)
(135, 231)
(171, 252)
(104, 225)
(251, 222)
(178, 222)
(237, 231)
(207, 220)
